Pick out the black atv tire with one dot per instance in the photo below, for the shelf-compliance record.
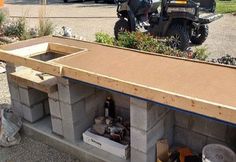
(203, 34)
(179, 37)
(121, 25)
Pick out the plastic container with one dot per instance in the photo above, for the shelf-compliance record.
(217, 153)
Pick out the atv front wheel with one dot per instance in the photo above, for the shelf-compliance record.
(201, 35)
(121, 26)
(179, 37)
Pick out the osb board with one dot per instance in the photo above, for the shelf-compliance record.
(34, 79)
(189, 85)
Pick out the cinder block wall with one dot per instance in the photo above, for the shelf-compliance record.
(196, 132)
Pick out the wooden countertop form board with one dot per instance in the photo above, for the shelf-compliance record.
(198, 87)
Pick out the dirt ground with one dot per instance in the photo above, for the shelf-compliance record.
(86, 19)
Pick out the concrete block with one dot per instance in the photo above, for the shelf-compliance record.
(182, 119)
(30, 96)
(73, 113)
(54, 95)
(57, 125)
(10, 68)
(149, 113)
(216, 130)
(73, 93)
(215, 141)
(143, 141)
(169, 127)
(180, 136)
(121, 100)
(123, 112)
(46, 107)
(138, 156)
(54, 106)
(196, 141)
(208, 127)
(73, 131)
(14, 91)
(231, 137)
(189, 138)
(33, 113)
(17, 108)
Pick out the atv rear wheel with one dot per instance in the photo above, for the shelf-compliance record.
(179, 37)
(121, 26)
(201, 35)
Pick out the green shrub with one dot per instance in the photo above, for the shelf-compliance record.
(2, 18)
(146, 42)
(45, 27)
(104, 38)
(16, 28)
(201, 53)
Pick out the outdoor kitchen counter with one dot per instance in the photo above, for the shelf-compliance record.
(193, 86)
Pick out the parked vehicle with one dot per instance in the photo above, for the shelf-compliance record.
(182, 20)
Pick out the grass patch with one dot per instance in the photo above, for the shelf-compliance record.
(226, 6)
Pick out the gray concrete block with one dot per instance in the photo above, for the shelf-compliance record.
(196, 141)
(216, 130)
(123, 112)
(182, 119)
(10, 68)
(138, 156)
(73, 131)
(169, 127)
(14, 91)
(149, 113)
(215, 141)
(17, 108)
(231, 137)
(54, 106)
(54, 95)
(73, 113)
(57, 125)
(46, 107)
(143, 141)
(73, 93)
(208, 127)
(33, 113)
(30, 96)
(121, 100)
(189, 138)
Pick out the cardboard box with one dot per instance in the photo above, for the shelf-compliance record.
(162, 150)
(106, 144)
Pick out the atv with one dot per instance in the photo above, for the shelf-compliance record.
(181, 20)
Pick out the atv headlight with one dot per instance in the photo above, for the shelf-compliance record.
(181, 9)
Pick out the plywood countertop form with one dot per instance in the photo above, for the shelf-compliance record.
(198, 87)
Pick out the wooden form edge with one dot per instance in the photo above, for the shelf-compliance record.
(50, 68)
(24, 82)
(199, 106)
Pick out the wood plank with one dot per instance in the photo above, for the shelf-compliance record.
(34, 79)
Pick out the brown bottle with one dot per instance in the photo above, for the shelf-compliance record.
(109, 107)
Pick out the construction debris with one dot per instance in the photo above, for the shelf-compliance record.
(2, 67)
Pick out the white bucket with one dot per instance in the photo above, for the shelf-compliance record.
(217, 153)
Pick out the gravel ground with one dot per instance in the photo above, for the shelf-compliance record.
(86, 19)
